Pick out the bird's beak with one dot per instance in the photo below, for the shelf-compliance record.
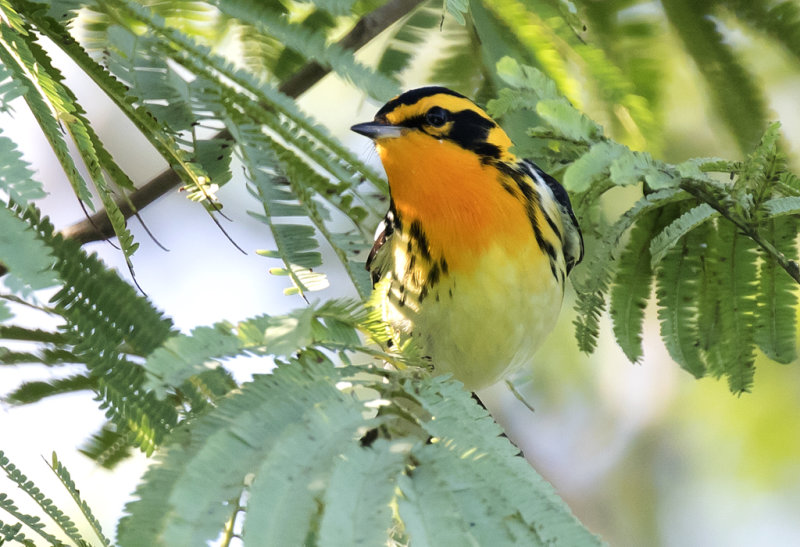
(377, 130)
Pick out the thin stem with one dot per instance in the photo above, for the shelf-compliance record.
(705, 195)
(229, 532)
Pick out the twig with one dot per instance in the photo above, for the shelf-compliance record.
(703, 194)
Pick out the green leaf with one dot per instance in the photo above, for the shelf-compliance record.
(12, 533)
(5, 313)
(472, 475)
(777, 207)
(567, 121)
(183, 356)
(285, 492)
(631, 287)
(103, 312)
(733, 263)
(48, 109)
(682, 225)
(107, 447)
(29, 261)
(779, 20)
(66, 480)
(46, 505)
(536, 37)
(406, 39)
(777, 295)
(458, 9)
(460, 66)
(633, 167)
(522, 77)
(593, 166)
(16, 179)
(32, 392)
(312, 45)
(357, 505)
(287, 430)
(331, 325)
(335, 7)
(679, 289)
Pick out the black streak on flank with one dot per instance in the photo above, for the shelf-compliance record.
(552, 224)
(507, 187)
(417, 233)
(433, 275)
(549, 249)
(531, 204)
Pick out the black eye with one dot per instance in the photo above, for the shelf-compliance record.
(437, 116)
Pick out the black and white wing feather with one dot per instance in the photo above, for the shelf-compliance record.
(571, 239)
(377, 264)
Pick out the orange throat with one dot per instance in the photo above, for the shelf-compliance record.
(459, 202)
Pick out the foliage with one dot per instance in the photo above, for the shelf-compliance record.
(46, 506)
(333, 448)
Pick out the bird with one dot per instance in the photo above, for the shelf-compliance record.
(473, 254)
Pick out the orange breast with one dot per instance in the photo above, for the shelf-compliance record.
(461, 203)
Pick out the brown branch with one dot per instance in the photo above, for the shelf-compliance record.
(98, 226)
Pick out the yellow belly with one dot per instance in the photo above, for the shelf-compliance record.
(483, 324)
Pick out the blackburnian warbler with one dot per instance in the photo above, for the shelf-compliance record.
(477, 243)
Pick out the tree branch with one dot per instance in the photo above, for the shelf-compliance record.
(98, 227)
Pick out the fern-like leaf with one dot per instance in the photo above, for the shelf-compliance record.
(591, 283)
(670, 235)
(471, 474)
(87, 143)
(779, 20)
(293, 416)
(678, 291)
(102, 312)
(10, 532)
(331, 325)
(16, 179)
(632, 287)
(733, 261)
(358, 501)
(592, 166)
(10, 87)
(789, 205)
(45, 505)
(312, 45)
(407, 36)
(66, 480)
(32, 392)
(107, 447)
(43, 109)
(777, 295)
(29, 261)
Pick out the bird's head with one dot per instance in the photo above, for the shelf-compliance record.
(436, 113)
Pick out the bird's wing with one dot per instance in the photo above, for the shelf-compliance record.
(377, 263)
(572, 239)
